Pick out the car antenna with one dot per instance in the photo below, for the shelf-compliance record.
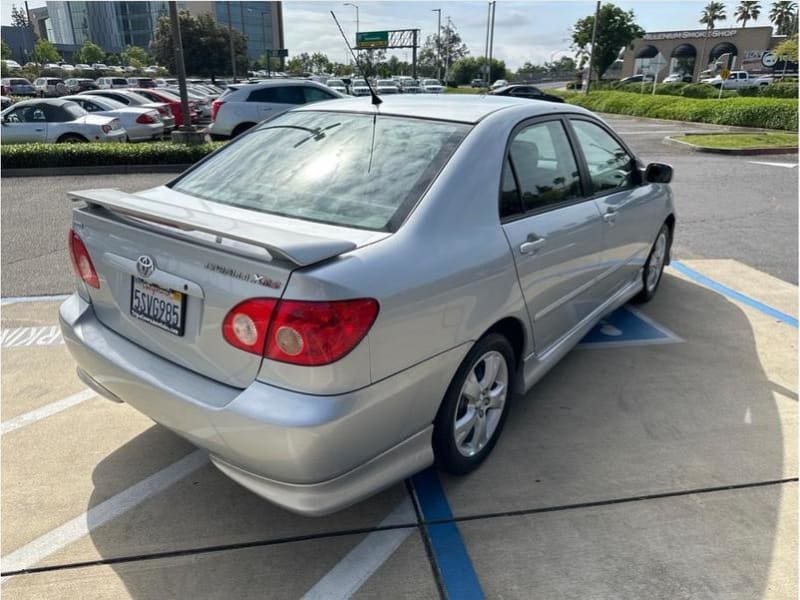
(375, 98)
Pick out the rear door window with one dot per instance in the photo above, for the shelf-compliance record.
(284, 94)
(313, 94)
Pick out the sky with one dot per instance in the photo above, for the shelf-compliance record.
(524, 31)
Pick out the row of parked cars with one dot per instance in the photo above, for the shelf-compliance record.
(106, 115)
(400, 84)
(13, 65)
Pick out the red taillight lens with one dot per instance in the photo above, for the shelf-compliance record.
(215, 106)
(318, 333)
(246, 325)
(81, 262)
(145, 119)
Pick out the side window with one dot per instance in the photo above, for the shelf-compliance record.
(313, 94)
(16, 116)
(610, 166)
(545, 166)
(510, 204)
(292, 94)
(90, 106)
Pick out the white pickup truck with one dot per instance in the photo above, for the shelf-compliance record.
(738, 79)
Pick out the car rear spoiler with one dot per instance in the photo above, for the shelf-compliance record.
(198, 215)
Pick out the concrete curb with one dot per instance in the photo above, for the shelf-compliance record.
(728, 128)
(670, 141)
(95, 170)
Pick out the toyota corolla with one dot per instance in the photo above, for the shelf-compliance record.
(349, 293)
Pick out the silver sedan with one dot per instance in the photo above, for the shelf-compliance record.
(141, 124)
(347, 293)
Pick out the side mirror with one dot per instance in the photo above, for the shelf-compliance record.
(2, 120)
(658, 173)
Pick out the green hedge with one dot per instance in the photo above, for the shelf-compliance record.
(769, 113)
(23, 156)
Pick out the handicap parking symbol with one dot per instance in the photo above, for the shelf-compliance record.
(627, 326)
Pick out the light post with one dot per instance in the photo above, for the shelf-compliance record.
(267, 52)
(357, 23)
(438, 43)
(230, 34)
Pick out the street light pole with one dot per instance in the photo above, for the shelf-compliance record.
(230, 35)
(594, 39)
(357, 23)
(491, 43)
(438, 43)
(179, 66)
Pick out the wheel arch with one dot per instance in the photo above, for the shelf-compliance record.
(513, 330)
(670, 223)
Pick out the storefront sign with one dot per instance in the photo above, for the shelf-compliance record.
(685, 35)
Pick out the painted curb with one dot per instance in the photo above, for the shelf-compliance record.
(670, 141)
(95, 170)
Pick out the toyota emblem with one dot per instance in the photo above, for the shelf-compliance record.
(145, 266)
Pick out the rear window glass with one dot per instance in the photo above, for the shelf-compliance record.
(354, 170)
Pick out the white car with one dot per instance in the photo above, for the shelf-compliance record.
(499, 83)
(244, 105)
(49, 87)
(129, 98)
(677, 78)
(108, 83)
(141, 124)
(99, 67)
(66, 67)
(57, 121)
(83, 67)
(359, 87)
(386, 86)
(116, 69)
(337, 85)
(54, 66)
(431, 86)
(11, 64)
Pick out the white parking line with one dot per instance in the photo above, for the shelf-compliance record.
(45, 411)
(773, 164)
(45, 335)
(34, 552)
(361, 562)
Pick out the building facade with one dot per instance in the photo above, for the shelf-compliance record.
(115, 25)
(690, 52)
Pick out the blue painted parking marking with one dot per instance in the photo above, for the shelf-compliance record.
(733, 294)
(456, 573)
(627, 326)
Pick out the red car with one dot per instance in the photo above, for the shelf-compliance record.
(173, 101)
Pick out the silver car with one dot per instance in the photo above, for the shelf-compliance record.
(140, 124)
(344, 294)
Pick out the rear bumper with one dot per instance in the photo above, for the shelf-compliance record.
(310, 454)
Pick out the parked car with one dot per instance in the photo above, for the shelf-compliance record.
(53, 66)
(359, 87)
(99, 67)
(116, 69)
(140, 124)
(130, 98)
(49, 87)
(56, 121)
(83, 67)
(525, 91)
(312, 377)
(409, 86)
(67, 67)
(637, 79)
(739, 79)
(244, 105)
(386, 86)
(431, 86)
(202, 101)
(12, 65)
(499, 84)
(173, 101)
(477, 83)
(678, 78)
(110, 83)
(337, 85)
(141, 82)
(18, 86)
(80, 85)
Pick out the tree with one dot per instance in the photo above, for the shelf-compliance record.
(787, 49)
(713, 12)
(6, 50)
(45, 52)
(452, 47)
(615, 29)
(90, 53)
(784, 16)
(319, 63)
(135, 53)
(19, 17)
(748, 10)
(468, 68)
(206, 46)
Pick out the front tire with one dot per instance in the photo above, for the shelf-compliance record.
(654, 267)
(72, 138)
(474, 409)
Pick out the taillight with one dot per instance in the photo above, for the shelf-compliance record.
(145, 119)
(105, 128)
(318, 333)
(246, 324)
(81, 262)
(297, 331)
(215, 106)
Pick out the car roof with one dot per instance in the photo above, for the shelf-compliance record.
(51, 101)
(465, 108)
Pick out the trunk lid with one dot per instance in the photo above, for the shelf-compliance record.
(215, 255)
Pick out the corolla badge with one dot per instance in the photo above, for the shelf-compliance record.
(145, 265)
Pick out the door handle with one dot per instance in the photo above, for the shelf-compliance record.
(531, 246)
(610, 216)
(40, 130)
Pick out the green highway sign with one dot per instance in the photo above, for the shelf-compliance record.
(372, 39)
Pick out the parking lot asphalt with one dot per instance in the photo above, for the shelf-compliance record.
(657, 460)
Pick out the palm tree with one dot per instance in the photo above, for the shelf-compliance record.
(782, 15)
(748, 10)
(713, 12)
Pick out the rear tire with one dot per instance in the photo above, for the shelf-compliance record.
(654, 267)
(241, 128)
(474, 409)
(72, 138)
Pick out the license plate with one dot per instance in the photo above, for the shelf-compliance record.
(158, 306)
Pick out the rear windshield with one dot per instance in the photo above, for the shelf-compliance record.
(355, 170)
